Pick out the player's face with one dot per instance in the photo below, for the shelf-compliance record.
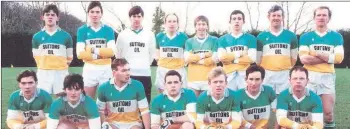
(73, 94)
(122, 74)
(27, 85)
(50, 18)
(95, 15)
(171, 23)
(218, 85)
(321, 17)
(254, 81)
(298, 81)
(201, 28)
(173, 85)
(276, 18)
(237, 22)
(136, 20)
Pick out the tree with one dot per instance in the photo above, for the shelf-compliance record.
(296, 24)
(158, 19)
(250, 16)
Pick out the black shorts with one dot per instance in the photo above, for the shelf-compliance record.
(147, 84)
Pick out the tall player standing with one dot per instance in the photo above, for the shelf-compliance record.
(170, 51)
(200, 54)
(53, 51)
(319, 51)
(137, 45)
(277, 49)
(95, 46)
(237, 50)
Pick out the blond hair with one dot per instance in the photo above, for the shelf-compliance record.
(215, 72)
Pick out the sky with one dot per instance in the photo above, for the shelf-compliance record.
(217, 12)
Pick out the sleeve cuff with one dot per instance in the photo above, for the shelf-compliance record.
(96, 51)
(94, 56)
(331, 58)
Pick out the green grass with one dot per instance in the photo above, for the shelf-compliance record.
(342, 106)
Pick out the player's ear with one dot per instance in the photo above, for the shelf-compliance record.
(41, 17)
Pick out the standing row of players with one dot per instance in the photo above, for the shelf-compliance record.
(276, 50)
(122, 104)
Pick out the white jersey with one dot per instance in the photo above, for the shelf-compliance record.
(138, 48)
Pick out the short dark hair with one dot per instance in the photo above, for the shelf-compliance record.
(172, 73)
(276, 8)
(93, 4)
(201, 18)
(118, 62)
(166, 16)
(299, 68)
(255, 68)
(27, 73)
(324, 7)
(136, 10)
(74, 81)
(237, 12)
(50, 7)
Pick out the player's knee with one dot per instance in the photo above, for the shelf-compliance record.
(64, 126)
(187, 125)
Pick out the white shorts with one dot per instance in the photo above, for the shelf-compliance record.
(95, 75)
(161, 71)
(51, 80)
(236, 80)
(321, 83)
(278, 80)
(126, 125)
(198, 85)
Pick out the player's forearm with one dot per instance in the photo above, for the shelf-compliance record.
(324, 57)
(317, 125)
(245, 60)
(102, 116)
(227, 57)
(14, 124)
(146, 120)
(181, 119)
(235, 124)
(155, 126)
(104, 52)
(311, 60)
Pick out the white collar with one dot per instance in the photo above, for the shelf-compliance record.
(307, 93)
(111, 81)
(82, 98)
(202, 40)
(237, 36)
(36, 94)
(51, 33)
(278, 33)
(165, 93)
(226, 94)
(256, 96)
(322, 34)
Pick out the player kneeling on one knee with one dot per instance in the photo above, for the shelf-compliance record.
(175, 108)
(74, 110)
(298, 107)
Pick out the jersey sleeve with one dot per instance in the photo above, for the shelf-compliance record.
(189, 56)
(92, 110)
(251, 56)
(338, 55)
(294, 49)
(101, 99)
(111, 48)
(69, 46)
(224, 56)
(13, 114)
(158, 39)
(282, 110)
(141, 99)
(200, 107)
(236, 112)
(155, 111)
(80, 47)
(35, 49)
(191, 105)
(152, 48)
(304, 45)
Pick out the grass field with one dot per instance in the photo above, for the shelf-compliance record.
(342, 108)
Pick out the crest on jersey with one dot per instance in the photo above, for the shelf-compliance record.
(42, 38)
(313, 39)
(88, 34)
(164, 106)
(267, 39)
(244, 102)
(163, 41)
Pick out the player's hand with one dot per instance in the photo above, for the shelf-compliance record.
(31, 126)
(208, 54)
(221, 127)
(166, 123)
(105, 125)
(252, 127)
(304, 126)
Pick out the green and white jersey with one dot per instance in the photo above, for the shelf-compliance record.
(218, 111)
(23, 111)
(330, 43)
(101, 39)
(79, 114)
(125, 104)
(52, 51)
(198, 72)
(171, 50)
(304, 110)
(257, 107)
(165, 107)
(282, 46)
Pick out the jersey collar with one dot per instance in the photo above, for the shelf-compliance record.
(111, 81)
(254, 97)
(226, 94)
(276, 34)
(51, 33)
(166, 94)
(322, 34)
(82, 98)
(237, 36)
(296, 98)
(36, 94)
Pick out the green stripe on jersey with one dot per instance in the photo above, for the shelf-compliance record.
(299, 111)
(285, 38)
(162, 105)
(209, 45)
(312, 39)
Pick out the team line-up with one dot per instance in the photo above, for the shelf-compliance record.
(258, 76)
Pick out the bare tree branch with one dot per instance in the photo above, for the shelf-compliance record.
(298, 18)
(288, 26)
(257, 21)
(85, 10)
(122, 24)
(250, 16)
